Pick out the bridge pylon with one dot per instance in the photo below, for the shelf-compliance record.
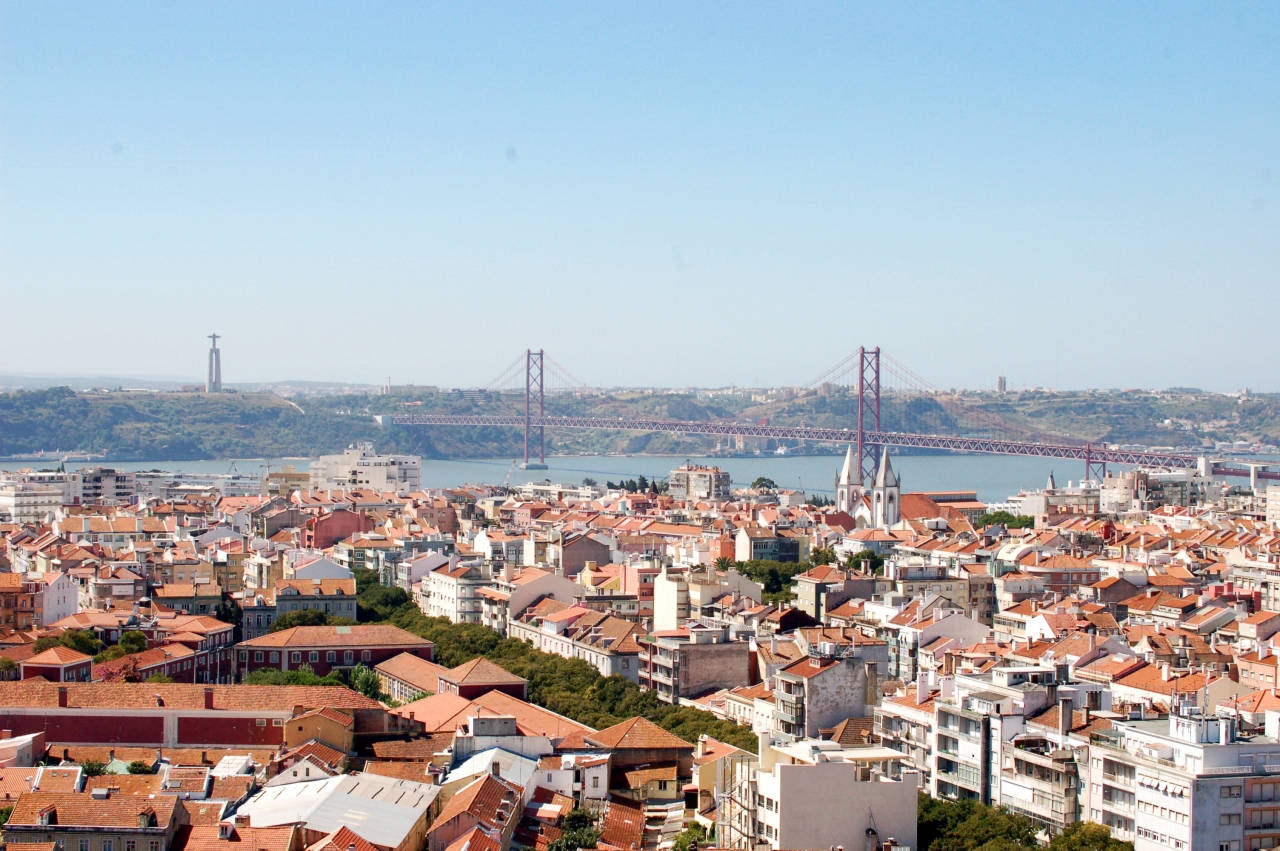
(534, 373)
(868, 408)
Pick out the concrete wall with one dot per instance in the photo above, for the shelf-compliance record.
(705, 667)
(820, 806)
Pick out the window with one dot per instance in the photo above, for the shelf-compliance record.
(244, 655)
(276, 722)
(261, 722)
(315, 655)
(662, 785)
(1233, 845)
(331, 656)
(275, 656)
(153, 845)
(595, 782)
(626, 664)
(257, 655)
(130, 845)
(1229, 818)
(365, 655)
(84, 845)
(108, 845)
(296, 656)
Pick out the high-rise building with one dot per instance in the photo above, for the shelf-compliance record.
(694, 481)
(1000, 384)
(213, 382)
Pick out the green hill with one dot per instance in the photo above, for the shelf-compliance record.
(141, 425)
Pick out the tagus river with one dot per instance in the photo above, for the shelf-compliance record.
(994, 477)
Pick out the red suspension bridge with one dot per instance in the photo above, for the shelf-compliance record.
(859, 374)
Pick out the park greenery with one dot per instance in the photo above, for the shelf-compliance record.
(131, 641)
(307, 617)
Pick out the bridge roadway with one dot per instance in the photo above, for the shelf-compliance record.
(827, 435)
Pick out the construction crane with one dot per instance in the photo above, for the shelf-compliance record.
(514, 462)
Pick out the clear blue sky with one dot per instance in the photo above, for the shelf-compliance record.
(658, 194)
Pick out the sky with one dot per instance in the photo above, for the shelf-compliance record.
(657, 194)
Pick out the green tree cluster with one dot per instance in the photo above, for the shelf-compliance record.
(140, 767)
(1005, 519)
(307, 617)
(303, 676)
(571, 687)
(130, 642)
(80, 640)
(579, 832)
(944, 825)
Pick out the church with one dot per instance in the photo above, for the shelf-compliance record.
(878, 507)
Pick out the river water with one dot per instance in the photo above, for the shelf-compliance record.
(994, 477)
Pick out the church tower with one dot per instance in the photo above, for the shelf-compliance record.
(886, 494)
(848, 484)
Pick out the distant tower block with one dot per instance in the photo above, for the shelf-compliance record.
(213, 383)
(1000, 383)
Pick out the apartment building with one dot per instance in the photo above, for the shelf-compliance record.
(820, 690)
(819, 794)
(691, 482)
(1188, 781)
(452, 591)
(360, 467)
(608, 643)
(692, 661)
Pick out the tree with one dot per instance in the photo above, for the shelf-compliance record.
(694, 833)
(7, 665)
(159, 679)
(303, 676)
(866, 560)
(93, 768)
(588, 482)
(579, 832)
(1087, 836)
(133, 641)
(366, 681)
(764, 483)
(577, 819)
(724, 564)
(823, 555)
(140, 767)
(4, 814)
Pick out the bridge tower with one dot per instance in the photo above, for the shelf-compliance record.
(533, 383)
(1094, 470)
(868, 408)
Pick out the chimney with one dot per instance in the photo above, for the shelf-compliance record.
(1165, 673)
(204, 757)
(922, 687)
(6, 734)
(1088, 714)
(62, 696)
(1064, 720)
(208, 697)
(495, 768)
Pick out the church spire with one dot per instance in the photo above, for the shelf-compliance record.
(846, 472)
(885, 477)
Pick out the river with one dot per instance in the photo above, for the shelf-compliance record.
(994, 477)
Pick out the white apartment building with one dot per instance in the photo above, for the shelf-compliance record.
(28, 502)
(819, 794)
(452, 591)
(360, 467)
(1186, 782)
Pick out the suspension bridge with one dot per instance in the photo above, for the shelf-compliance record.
(872, 407)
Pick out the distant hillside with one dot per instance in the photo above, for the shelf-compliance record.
(187, 426)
